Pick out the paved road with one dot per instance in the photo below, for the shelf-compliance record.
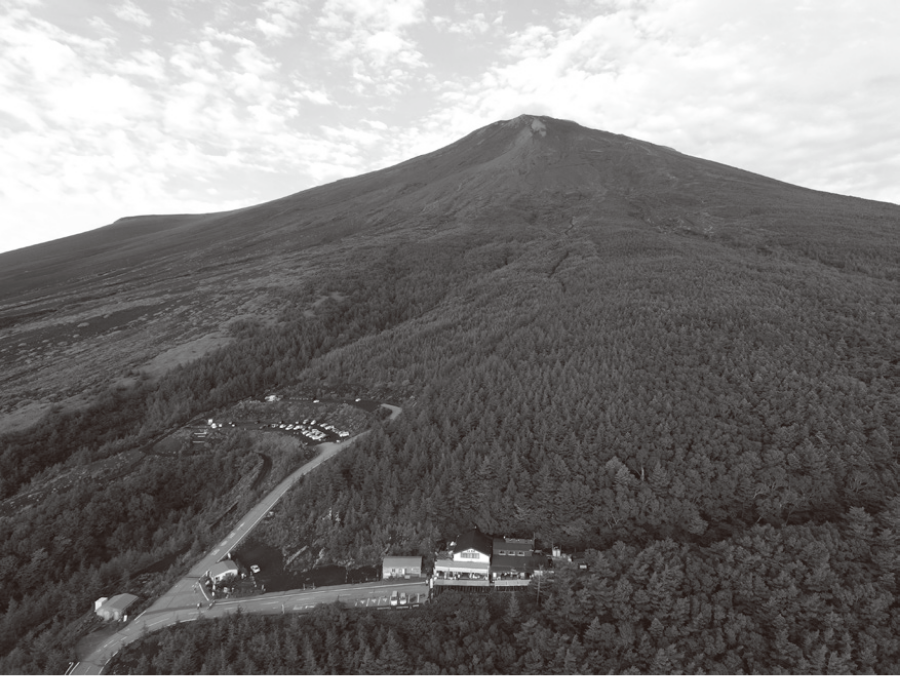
(369, 594)
(179, 604)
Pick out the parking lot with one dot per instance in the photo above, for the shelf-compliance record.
(310, 430)
(397, 600)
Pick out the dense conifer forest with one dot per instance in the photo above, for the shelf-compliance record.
(713, 418)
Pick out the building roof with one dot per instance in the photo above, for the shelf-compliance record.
(513, 545)
(119, 602)
(226, 567)
(517, 564)
(449, 565)
(403, 561)
(473, 539)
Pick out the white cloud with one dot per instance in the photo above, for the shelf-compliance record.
(352, 135)
(316, 96)
(144, 63)
(98, 100)
(391, 15)
(252, 60)
(383, 45)
(128, 11)
(35, 54)
(224, 36)
(275, 28)
(476, 25)
(279, 18)
(200, 61)
(373, 34)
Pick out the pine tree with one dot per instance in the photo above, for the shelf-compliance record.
(368, 664)
(310, 664)
(513, 611)
(393, 658)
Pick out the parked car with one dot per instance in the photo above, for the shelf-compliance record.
(403, 598)
(254, 569)
(394, 598)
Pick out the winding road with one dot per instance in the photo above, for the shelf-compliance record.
(179, 604)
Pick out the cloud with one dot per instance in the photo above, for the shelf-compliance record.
(391, 15)
(373, 35)
(316, 96)
(352, 135)
(476, 25)
(197, 62)
(144, 63)
(34, 54)
(280, 18)
(128, 11)
(98, 100)
(277, 27)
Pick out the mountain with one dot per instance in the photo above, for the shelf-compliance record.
(530, 177)
(530, 172)
(595, 340)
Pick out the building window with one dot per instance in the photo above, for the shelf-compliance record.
(470, 555)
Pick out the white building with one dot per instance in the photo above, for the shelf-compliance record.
(469, 558)
(223, 570)
(401, 566)
(114, 608)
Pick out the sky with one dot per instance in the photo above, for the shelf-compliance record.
(111, 108)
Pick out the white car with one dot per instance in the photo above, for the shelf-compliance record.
(254, 569)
